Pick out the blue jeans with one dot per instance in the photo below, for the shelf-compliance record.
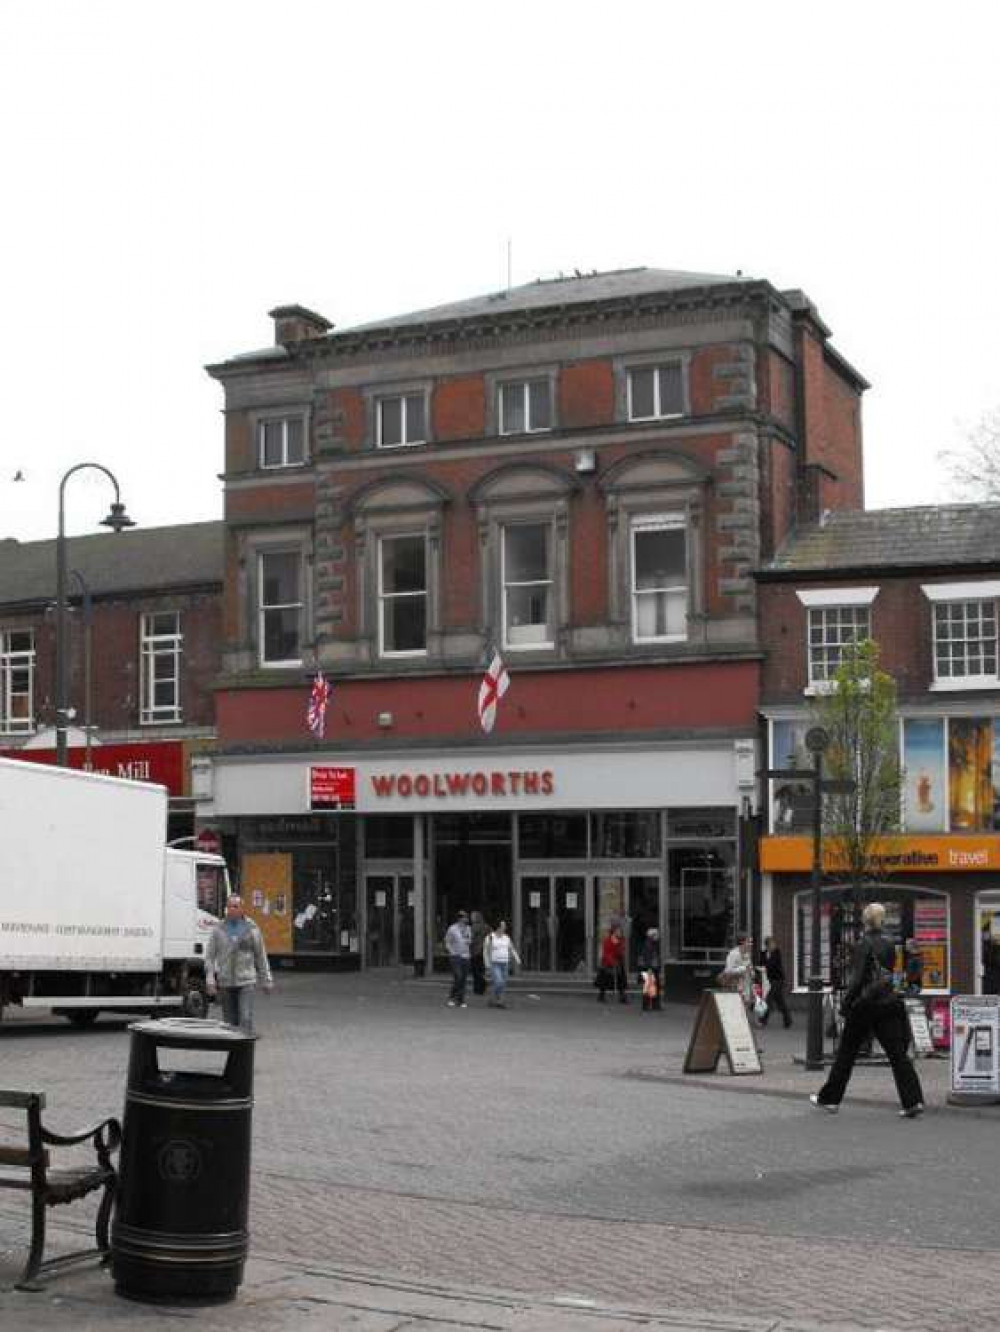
(237, 1006)
(498, 979)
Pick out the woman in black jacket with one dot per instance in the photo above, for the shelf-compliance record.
(871, 1010)
(774, 970)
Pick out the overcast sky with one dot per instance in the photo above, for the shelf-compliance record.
(171, 172)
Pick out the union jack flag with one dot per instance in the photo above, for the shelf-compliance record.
(318, 700)
(495, 684)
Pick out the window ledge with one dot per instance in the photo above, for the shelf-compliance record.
(824, 688)
(965, 682)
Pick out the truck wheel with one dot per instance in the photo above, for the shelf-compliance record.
(195, 1003)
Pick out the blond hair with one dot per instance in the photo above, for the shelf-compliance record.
(873, 915)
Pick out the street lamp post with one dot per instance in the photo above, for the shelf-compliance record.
(117, 520)
(817, 741)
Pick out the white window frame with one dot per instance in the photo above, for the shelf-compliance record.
(657, 522)
(153, 647)
(402, 398)
(527, 639)
(283, 420)
(12, 660)
(657, 370)
(980, 594)
(525, 386)
(384, 597)
(262, 609)
(825, 683)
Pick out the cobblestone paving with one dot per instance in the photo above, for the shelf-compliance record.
(555, 1150)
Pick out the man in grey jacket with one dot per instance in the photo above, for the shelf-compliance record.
(235, 960)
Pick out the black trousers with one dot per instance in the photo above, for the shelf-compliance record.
(887, 1023)
(478, 971)
(776, 1000)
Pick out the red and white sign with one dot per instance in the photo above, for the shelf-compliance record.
(331, 788)
(494, 782)
(161, 764)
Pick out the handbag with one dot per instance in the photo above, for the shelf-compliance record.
(880, 985)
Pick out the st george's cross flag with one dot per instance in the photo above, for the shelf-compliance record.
(495, 684)
(318, 700)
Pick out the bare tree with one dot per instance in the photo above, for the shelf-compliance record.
(863, 724)
(974, 468)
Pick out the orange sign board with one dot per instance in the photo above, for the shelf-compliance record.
(894, 855)
(266, 880)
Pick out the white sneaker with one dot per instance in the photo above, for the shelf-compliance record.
(914, 1112)
(452, 1004)
(821, 1105)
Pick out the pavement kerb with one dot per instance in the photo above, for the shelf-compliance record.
(285, 1294)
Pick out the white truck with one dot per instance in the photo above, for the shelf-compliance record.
(97, 913)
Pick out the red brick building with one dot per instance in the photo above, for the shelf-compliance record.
(144, 643)
(581, 473)
(924, 584)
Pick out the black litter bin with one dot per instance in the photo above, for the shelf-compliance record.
(180, 1229)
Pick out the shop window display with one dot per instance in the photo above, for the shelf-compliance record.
(552, 837)
(626, 835)
(916, 915)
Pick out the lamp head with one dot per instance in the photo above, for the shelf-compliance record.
(117, 519)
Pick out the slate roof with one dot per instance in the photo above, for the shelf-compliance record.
(938, 537)
(560, 291)
(142, 559)
(541, 294)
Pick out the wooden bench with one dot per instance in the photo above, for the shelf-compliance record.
(25, 1164)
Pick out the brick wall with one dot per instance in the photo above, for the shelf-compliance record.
(901, 625)
(459, 408)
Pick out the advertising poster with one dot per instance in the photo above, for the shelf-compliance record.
(266, 879)
(975, 1026)
(791, 809)
(925, 788)
(970, 774)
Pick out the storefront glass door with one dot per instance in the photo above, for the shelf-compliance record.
(388, 919)
(380, 920)
(631, 901)
(988, 943)
(553, 922)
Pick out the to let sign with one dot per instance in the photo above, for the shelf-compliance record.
(331, 788)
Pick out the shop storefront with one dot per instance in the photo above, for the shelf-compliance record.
(939, 878)
(942, 897)
(364, 862)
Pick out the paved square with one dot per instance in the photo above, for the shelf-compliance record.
(554, 1149)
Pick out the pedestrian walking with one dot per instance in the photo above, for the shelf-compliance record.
(774, 970)
(478, 930)
(458, 945)
(235, 962)
(612, 973)
(873, 1007)
(649, 971)
(499, 952)
(738, 972)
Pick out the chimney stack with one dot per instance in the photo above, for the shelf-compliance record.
(294, 323)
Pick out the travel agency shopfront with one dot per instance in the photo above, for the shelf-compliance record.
(353, 860)
(939, 878)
